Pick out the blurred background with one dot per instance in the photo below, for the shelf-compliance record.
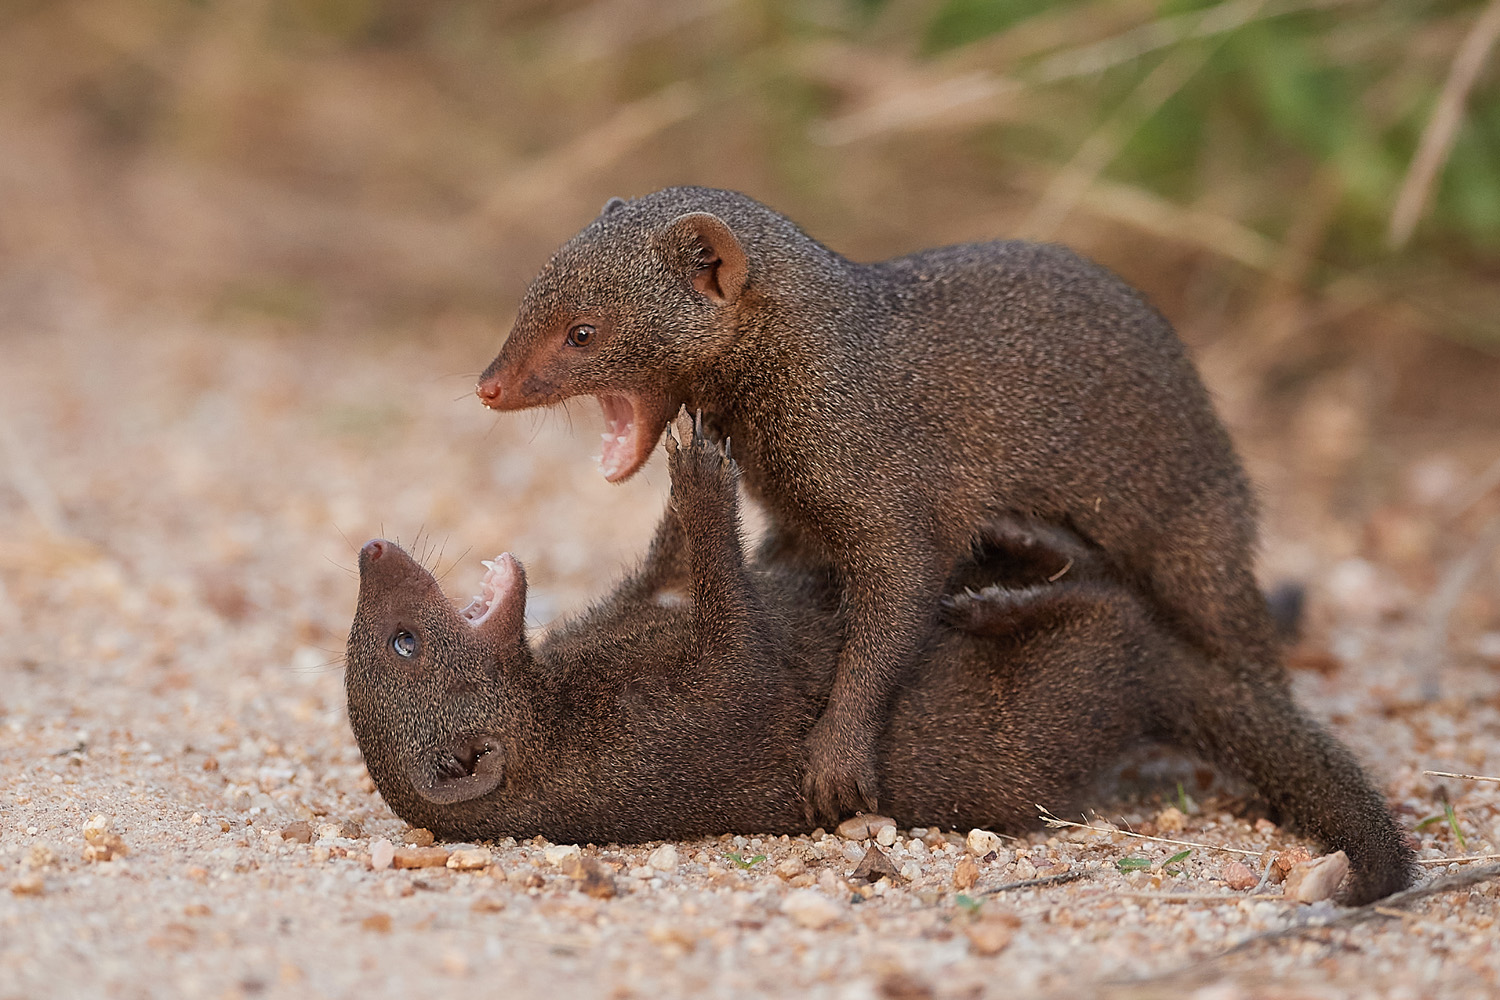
(1309, 189)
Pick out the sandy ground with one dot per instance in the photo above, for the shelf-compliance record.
(181, 508)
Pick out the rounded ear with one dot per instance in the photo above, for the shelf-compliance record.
(704, 250)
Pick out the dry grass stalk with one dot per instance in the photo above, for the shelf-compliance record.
(1053, 821)
(1101, 148)
(1442, 128)
(1466, 777)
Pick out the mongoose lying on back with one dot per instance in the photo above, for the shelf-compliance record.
(884, 412)
(640, 721)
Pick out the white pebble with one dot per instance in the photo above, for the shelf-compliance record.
(664, 858)
(556, 854)
(886, 835)
(982, 842)
(811, 909)
(382, 852)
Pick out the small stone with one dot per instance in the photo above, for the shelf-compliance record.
(99, 843)
(380, 923)
(911, 871)
(898, 984)
(1310, 881)
(1024, 869)
(382, 853)
(557, 854)
(886, 836)
(873, 866)
(30, 884)
(490, 903)
(1170, 820)
(419, 837)
(832, 884)
(196, 819)
(664, 858)
(864, 826)
(1238, 875)
(982, 842)
(328, 831)
(671, 935)
(642, 872)
(594, 879)
(1285, 861)
(811, 909)
(790, 868)
(991, 933)
(468, 859)
(299, 832)
(965, 873)
(420, 857)
(39, 856)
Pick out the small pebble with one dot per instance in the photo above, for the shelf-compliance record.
(863, 827)
(557, 854)
(1170, 820)
(965, 873)
(1024, 869)
(991, 933)
(299, 832)
(420, 857)
(1285, 861)
(811, 909)
(382, 853)
(30, 884)
(468, 859)
(593, 878)
(982, 842)
(790, 868)
(886, 836)
(1238, 875)
(419, 837)
(1311, 881)
(664, 858)
(329, 831)
(380, 923)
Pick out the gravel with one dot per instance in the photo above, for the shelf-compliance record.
(183, 811)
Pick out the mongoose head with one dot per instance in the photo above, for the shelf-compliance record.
(430, 685)
(630, 309)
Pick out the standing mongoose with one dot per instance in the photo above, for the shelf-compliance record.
(883, 413)
(643, 720)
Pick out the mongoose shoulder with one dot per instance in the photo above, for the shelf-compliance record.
(640, 721)
(885, 412)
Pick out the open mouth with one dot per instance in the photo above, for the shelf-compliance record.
(628, 438)
(465, 768)
(501, 575)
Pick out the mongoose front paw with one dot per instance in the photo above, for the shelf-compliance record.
(696, 461)
(840, 777)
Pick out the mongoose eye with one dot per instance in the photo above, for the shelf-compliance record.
(580, 335)
(405, 644)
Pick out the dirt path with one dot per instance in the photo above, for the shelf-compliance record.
(180, 510)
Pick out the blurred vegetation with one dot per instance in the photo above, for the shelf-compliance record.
(385, 160)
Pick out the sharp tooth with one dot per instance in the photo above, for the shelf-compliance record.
(621, 439)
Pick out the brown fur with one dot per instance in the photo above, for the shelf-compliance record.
(886, 412)
(640, 721)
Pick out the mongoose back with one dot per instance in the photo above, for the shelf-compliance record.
(643, 721)
(884, 412)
